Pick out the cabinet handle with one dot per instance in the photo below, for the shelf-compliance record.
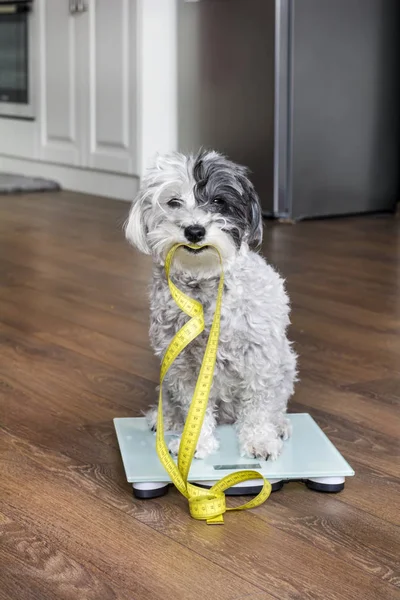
(81, 6)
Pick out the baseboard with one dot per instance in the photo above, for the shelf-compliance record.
(87, 181)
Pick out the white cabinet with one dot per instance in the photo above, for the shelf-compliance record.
(105, 94)
(58, 91)
(110, 67)
(87, 83)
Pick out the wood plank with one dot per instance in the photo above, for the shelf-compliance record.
(255, 541)
(51, 367)
(135, 359)
(131, 559)
(382, 390)
(314, 394)
(103, 320)
(46, 568)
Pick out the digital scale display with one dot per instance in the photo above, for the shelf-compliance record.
(237, 467)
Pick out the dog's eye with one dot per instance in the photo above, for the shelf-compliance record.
(174, 203)
(219, 201)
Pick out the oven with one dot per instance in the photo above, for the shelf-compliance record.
(16, 59)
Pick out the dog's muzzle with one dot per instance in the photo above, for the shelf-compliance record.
(195, 233)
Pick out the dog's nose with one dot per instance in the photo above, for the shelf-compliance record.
(195, 233)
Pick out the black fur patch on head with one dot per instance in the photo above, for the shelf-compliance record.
(222, 187)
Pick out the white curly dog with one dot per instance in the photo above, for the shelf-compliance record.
(207, 199)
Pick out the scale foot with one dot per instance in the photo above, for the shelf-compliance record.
(330, 485)
(276, 485)
(146, 491)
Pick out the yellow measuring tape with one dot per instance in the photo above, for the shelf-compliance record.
(208, 505)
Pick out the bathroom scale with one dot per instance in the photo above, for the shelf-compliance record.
(308, 456)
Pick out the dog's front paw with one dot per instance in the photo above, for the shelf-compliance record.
(204, 448)
(173, 446)
(263, 447)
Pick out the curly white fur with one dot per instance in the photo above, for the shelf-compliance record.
(256, 366)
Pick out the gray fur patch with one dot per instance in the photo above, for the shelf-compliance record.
(223, 187)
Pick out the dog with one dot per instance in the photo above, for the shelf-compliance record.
(207, 200)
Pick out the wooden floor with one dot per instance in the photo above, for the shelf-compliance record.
(74, 354)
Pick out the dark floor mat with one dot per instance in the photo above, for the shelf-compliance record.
(19, 184)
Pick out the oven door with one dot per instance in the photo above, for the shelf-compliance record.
(16, 81)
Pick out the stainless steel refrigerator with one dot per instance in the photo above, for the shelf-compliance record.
(304, 92)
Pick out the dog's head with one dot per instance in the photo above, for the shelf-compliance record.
(201, 200)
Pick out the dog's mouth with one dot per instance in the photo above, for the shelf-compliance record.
(195, 249)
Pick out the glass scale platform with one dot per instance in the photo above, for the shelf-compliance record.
(308, 456)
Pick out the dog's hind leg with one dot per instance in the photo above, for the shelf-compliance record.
(172, 413)
(284, 426)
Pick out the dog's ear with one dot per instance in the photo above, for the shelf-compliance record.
(254, 215)
(135, 227)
